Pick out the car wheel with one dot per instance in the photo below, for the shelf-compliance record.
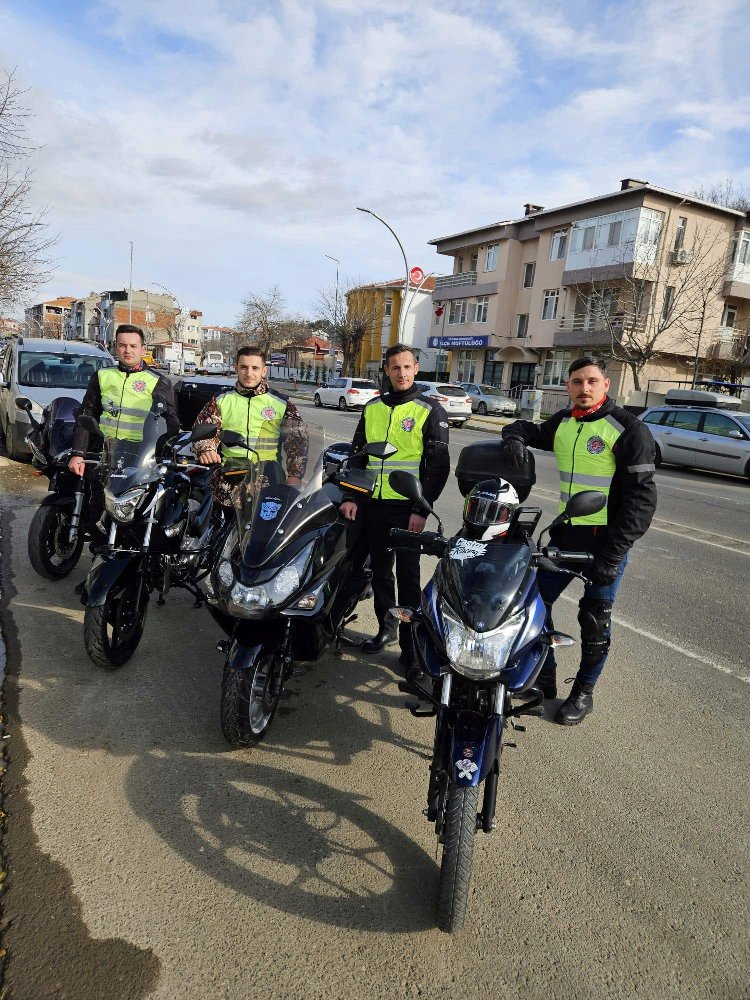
(342, 404)
(657, 456)
(11, 449)
(482, 409)
(317, 400)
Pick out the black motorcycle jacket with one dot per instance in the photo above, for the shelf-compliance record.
(632, 491)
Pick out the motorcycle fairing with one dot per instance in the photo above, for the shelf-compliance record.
(105, 572)
(472, 747)
(528, 652)
(483, 586)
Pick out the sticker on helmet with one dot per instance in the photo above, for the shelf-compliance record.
(268, 413)
(595, 445)
(407, 423)
(139, 385)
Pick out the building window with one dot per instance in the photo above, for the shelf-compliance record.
(478, 309)
(473, 266)
(388, 306)
(556, 368)
(666, 308)
(490, 260)
(649, 227)
(729, 318)
(679, 236)
(460, 264)
(467, 366)
(549, 306)
(558, 244)
(528, 274)
(742, 251)
(457, 312)
(614, 233)
(522, 324)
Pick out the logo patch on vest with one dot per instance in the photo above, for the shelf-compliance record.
(407, 424)
(595, 445)
(269, 509)
(139, 385)
(268, 413)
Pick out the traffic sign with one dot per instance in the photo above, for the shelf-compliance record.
(416, 276)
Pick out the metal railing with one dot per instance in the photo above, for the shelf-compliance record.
(452, 280)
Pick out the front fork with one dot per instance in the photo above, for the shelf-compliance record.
(75, 517)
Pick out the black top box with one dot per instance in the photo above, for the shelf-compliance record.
(193, 392)
(487, 460)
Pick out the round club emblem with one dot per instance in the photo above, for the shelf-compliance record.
(268, 413)
(595, 445)
(139, 385)
(407, 423)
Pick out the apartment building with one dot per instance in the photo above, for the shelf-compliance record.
(378, 305)
(49, 319)
(642, 274)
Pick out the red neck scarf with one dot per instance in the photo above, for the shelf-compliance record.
(579, 413)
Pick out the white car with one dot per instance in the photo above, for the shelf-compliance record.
(452, 397)
(346, 393)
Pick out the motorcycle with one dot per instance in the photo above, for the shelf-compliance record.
(480, 640)
(66, 517)
(159, 527)
(288, 578)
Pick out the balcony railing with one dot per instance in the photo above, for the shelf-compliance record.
(597, 327)
(453, 280)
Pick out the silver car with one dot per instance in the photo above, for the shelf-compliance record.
(701, 437)
(489, 399)
(42, 370)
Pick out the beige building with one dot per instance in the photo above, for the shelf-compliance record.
(654, 280)
(49, 319)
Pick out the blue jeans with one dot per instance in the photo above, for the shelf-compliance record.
(551, 585)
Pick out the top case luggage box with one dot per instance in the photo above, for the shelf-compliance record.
(487, 460)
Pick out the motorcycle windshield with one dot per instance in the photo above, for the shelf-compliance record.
(481, 580)
(277, 500)
(133, 462)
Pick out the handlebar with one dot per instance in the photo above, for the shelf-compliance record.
(429, 542)
(558, 555)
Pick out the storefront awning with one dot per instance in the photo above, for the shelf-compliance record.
(511, 353)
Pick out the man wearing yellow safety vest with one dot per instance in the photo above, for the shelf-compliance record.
(266, 419)
(418, 427)
(120, 397)
(599, 446)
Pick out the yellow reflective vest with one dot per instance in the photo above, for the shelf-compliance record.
(126, 399)
(402, 426)
(585, 459)
(257, 418)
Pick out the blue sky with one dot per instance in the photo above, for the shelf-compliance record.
(232, 141)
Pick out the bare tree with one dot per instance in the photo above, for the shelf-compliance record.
(264, 322)
(658, 302)
(724, 193)
(24, 236)
(348, 313)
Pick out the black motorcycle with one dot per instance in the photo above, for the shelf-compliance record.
(158, 527)
(480, 638)
(66, 517)
(289, 577)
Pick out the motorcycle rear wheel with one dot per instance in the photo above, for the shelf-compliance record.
(49, 554)
(112, 631)
(249, 699)
(458, 849)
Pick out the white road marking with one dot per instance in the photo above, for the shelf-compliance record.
(732, 672)
(706, 494)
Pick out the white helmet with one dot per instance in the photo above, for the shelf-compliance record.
(489, 507)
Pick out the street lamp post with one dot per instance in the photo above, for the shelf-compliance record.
(177, 326)
(402, 311)
(336, 328)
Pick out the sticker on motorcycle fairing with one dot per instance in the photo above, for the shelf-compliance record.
(466, 768)
(595, 445)
(269, 509)
(268, 413)
(139, 385)
(407, 424)
(468, 751)
(465, 548)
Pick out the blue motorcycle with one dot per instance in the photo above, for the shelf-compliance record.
(480, 641)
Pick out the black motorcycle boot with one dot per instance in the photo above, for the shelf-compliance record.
(386, 635)
(577, 705)
(547, 681)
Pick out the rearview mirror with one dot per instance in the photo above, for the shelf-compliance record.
(231, 439)
(23, 403)
(380, 449)
(406, 484)
(584, 503)
(202, 432)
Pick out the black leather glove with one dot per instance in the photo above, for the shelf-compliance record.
(515, 452)
(604, 570)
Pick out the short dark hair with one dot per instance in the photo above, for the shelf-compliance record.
(585, 361)
(249, 350)
(399, 349)
(130, 328)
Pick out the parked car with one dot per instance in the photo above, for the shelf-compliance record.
(452, 397)
(189, 366)
(346, 393)
(701, 436)
(214, 368)
(489, 399)
(42, 370)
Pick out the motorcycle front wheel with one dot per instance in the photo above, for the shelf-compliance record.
(460, 826)
(50, 553)
(112, 631)
(249, 699)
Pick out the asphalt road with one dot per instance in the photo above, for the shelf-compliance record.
(145, 859)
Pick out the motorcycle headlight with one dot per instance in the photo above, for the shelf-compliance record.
(123, 507)
(480, 655)
(244, 601)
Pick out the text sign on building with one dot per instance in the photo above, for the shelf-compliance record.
(465, 343)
